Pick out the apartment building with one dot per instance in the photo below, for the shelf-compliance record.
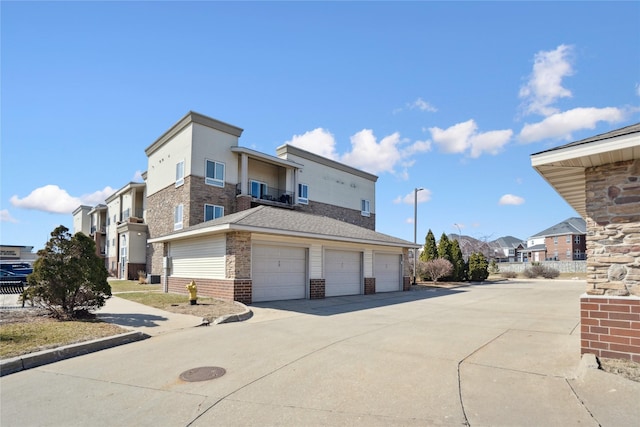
(565, 241)
(247, 225)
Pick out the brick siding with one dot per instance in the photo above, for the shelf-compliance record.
(369, 285)
(406, 283)
(610, 327)
(351, 216)
(316, 288)
(229, 290)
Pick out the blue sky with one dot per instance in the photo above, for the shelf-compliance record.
(453, 97)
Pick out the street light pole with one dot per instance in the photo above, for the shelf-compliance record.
(415, 231)
(459, 235)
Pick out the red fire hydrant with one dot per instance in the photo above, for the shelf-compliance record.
(193, 290)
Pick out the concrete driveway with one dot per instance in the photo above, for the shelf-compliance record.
(486, 355)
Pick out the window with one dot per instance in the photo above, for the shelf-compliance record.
(568, 238)
(258, 189)
(213, 212)
(576, 240)
(568, 254)
(577, 254)
(179, 173)
(303, 194)
(177, 218)
(214, 173)
(555, 240)
(365, 208)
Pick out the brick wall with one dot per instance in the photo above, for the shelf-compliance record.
(238, 259)
(610, 327)
(316, 288)
(230, 290)
(369, 285)
(565, 250)
(406, 283)
(352, 216)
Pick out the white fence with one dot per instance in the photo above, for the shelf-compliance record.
(561, 266)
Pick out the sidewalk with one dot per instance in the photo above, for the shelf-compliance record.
(143, 318)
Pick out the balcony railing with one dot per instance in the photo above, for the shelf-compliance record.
(269, 195)
(102, 229)
(126, 214)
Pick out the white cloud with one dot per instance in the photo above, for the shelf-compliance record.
(561, 125)
(137, 176)
(423, 196)
(372, 156)
(318, 141)
(54, 199)
(5, 216)
(465, 136)
(510, 199)
(545, 83)
(422, 105)
(490, 142)
(366, 152)
(409, 221)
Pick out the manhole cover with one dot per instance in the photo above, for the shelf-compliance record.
(202, 374)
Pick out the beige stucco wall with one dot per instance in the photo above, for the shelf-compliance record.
(212, 144)
(334, 186)
(161, 168)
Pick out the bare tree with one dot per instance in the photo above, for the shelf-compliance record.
(437, 268)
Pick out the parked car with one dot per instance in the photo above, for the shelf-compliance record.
(10, 276)
(20, 268)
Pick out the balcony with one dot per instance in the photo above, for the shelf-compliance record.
(102, 229)
(126, 216)
(262, 194)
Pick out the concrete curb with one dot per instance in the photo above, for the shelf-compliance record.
(239, 317)
(33, 360)
(588, 363)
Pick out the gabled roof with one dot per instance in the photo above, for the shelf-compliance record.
(564, 167)
(270, 220)
(508, 242)
(568, 226)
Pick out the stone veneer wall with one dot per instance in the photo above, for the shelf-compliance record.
(613, 229)
(351, 216)
(610, 312)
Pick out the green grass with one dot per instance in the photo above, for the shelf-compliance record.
(23, 338)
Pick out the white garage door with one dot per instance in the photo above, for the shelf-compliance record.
(386, 270)
(278, 272)
(342, 273)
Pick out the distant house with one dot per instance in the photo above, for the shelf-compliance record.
(507, 249)
(245, 225)
(565, 241)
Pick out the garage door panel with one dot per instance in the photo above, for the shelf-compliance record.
(386, 270)
(343, 273)
(278, 273)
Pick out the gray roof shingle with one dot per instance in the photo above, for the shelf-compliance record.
(272, 220)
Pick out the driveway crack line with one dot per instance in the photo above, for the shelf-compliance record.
(464, 413)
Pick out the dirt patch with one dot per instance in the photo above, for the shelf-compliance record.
(625, 368)
(24, 315)
(209, 310)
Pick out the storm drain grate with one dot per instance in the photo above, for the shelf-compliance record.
(204, 373)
